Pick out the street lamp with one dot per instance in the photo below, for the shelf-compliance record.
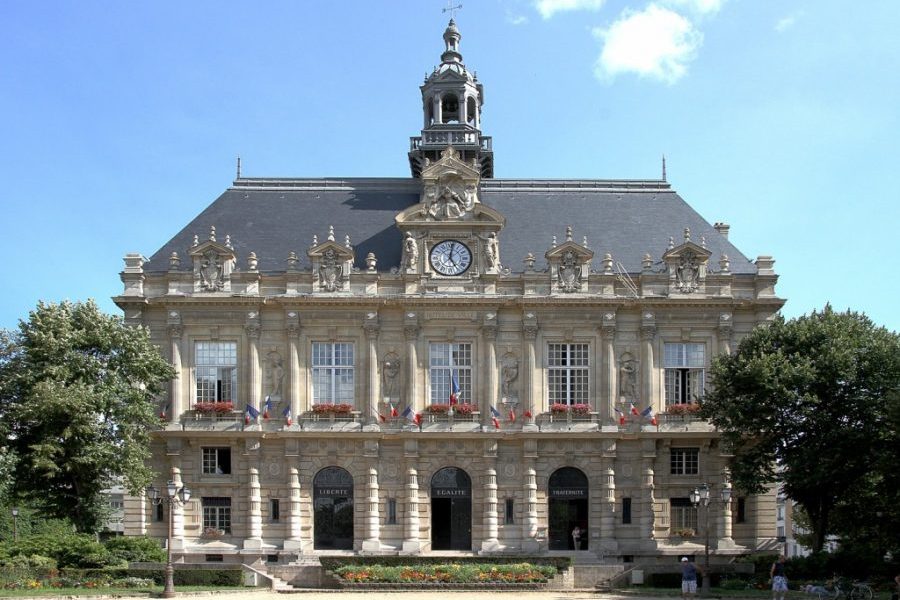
(15, 515)
(174, 495)
(700, 497)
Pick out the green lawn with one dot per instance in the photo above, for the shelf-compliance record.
(110, 591)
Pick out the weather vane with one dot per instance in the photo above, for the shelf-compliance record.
(450, 8)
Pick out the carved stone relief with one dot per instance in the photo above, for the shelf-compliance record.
(687, 273)
(331, 271)
(628, 378)
(390, 379)
(509, 373)
(569, 274)
(212, 272)
(275, 374)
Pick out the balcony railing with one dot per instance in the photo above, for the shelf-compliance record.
(442, 139)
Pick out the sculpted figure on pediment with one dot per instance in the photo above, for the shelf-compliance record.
(687, 273)
(569, 278)
(212, 272)
(449, 203)
(331, 272)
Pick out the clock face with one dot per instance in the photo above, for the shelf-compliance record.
(450, 257)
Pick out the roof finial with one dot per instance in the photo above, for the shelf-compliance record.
(239, 167)
(212, 233)
(569, 233)
(331, 233)
(451, 9)
(687, 234)
(664, 167)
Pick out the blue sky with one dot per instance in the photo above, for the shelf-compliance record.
(122, 120)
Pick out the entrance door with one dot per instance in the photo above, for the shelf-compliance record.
(568, 510)
(451, 510)
(333, 506)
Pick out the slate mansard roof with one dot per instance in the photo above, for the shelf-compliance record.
(273, 217)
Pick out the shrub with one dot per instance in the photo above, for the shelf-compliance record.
(447, 573)
(136, 549)
(71, 550)
(131, 582)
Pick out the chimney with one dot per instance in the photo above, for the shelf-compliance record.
(722, 228)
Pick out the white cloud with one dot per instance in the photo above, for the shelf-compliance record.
(516, 19)
(785, 23)
(548, 8)
(656, 43)
(698, 7)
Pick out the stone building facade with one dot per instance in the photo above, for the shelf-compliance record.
(449, 362)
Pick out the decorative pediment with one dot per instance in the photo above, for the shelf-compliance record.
(687, 265)
(213, 263)
(331, 263)
(449, 187)
(570, 265)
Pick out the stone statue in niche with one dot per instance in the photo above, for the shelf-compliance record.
(212, 272)
(509, 372)
(276, 374)
(687, 274)
(492, 251)
(410, 251)
(390, 380)
(569, 277)
(628, 378)
(331, 272)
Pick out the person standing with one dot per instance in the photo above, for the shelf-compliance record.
(576, 538)
(779, 580)
(689, 578)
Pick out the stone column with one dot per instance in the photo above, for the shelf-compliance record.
(293, 331)
(530, 520)
(411, 331)
(254, 519)
(372, 543)
(647, 517)
(608, 540)
(725, 333)
(252, 329)
(411, 543)
(608, 331)
(489, 542)
(371, 408)
(438, 110)
(648, 336)
(489, 332)
(724, 529)
(463, 111)
(177, 509)
(295, 523)
(529, 333)
(176, 395)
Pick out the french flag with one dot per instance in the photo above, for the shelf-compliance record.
(267, 407)
(648, 413)
(495, 417)
(620, 415)
(287, 415)
(394, 412)
(454, 389)
(634, 410)
(412, 416)
(250, 414)
(512, 414)
(164, 413)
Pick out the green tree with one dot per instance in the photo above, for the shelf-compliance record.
(76, 407)
(812, 402)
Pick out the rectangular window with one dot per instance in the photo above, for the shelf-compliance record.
(741, 512)
(332, 373)
(683, 515)
(567, 374)
(217, 461)
(216, 371)
(216, 513)
(215, 558)
(779, 531)
(684, 461)
(447, 361)
(685, 373)
(391, 511)
(779, 513)
(274, 510)
(626, 511)
(510, 513)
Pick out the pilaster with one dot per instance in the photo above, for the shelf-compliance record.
(372, 543)
(489, 334)
(411, 543)
(489, 542)
(295, 522)
(252, 330)
(292, 326)
(529, 335)
(371, 327)
(176, 395)
(254, 520)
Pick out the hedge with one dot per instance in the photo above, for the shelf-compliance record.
(332, 563)
(204, 577)
(448, 572)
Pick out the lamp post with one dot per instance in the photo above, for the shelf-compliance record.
(15, 515)
(700, 497)
(173, 495)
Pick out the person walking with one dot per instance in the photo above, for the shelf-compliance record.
(689, 578)
(779, 580)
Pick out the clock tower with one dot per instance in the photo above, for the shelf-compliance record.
(451, 106)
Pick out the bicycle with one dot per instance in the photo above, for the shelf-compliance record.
(857, 590)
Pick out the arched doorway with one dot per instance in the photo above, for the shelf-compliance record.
(451, 510)
(333, 506)
(568, 497)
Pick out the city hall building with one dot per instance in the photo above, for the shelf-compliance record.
(446, 362)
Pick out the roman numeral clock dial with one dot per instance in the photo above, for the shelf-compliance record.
(450, 257)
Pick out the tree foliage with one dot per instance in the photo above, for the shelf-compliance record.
(76, 407)
(813, 402)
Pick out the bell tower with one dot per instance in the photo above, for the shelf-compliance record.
(451, 105)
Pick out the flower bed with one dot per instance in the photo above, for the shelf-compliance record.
(214, 408)
(441, 574)
(332, 409)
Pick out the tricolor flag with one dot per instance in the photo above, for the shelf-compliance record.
(620, 414)
(648, 412)
(287, 415)
(454, 389)
(412, 416)
(495, 418)
(164, 412)
(512, 414)
(267, 407)
(634, 409)
(250, 414)
(527, 414)
(394, 410)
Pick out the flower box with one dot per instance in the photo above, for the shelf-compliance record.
(214, 408)
(211, 533)
(332, 409)
(444, 409)
(683, 409)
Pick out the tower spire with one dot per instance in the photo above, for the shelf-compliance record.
(664, 167)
